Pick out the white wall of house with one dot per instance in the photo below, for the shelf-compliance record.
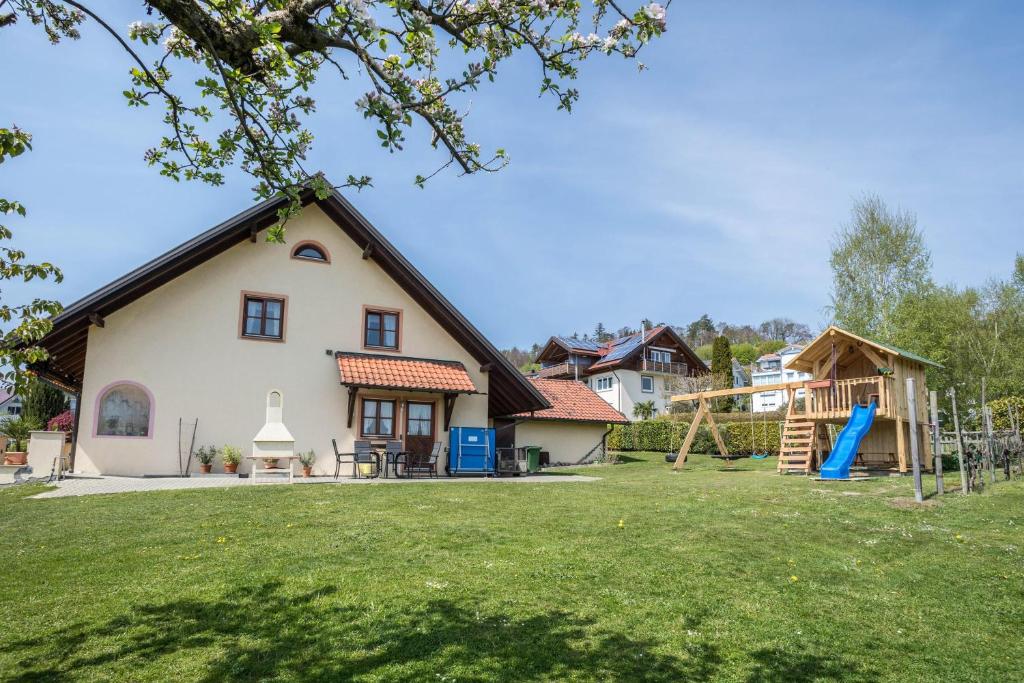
(182, 343)
(773, 400)
(566, 442)
(627, 390)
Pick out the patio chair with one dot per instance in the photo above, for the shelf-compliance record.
(424, 464)
(365, 455)
(338, 458)
(393, 456)
(362, 449)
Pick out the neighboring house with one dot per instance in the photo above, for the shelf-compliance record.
(359, 344)
(574, 429)
(771, 369)
(10, 404)
(624, 371)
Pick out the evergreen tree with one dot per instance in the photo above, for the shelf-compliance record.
(41, 402)
(721, 368)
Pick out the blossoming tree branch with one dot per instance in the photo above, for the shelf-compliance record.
(408, 62)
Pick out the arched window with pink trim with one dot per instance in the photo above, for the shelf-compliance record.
(124, 409)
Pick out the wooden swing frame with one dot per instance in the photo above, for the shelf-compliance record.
(704, 413)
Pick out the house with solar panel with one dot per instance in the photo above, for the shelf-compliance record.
(625, 371)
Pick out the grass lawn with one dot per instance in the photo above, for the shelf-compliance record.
(714, 575)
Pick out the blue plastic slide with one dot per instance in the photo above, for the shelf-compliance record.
(845, 448)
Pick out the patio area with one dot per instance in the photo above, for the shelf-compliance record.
(82, 485)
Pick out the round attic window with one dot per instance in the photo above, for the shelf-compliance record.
(311, 251)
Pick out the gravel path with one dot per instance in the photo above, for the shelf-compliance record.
(94, 485)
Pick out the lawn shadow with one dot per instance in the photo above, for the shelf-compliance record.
(773, 665)
(263, 632)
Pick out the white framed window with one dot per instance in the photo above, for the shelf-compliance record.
(603, 383)
(659, 356)
(647, 384)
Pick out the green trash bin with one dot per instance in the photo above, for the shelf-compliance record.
(533, 458)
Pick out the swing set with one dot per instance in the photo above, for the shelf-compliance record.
(704, 413)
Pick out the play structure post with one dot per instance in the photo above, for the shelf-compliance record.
(933, 400)
(959, 444)
(915, 456)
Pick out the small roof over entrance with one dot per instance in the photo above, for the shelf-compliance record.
(821, 349)
(366, 370)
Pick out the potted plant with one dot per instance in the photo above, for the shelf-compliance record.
(307, 459)
(205, 456)
(230, 456)
(17, 429)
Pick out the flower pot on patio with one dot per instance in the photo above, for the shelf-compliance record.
(230, 468)
(307, 471)
(15, 458)
(205, 469)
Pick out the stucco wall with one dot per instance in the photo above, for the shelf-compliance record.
(626, 391)
(566, 442)
(181, 342)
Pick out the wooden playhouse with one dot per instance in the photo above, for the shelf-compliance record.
(847, 370)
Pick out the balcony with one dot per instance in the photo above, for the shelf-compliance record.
(834, 400)
(664, 367)
(561, 370)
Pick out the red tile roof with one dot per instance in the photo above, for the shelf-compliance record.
(572, 401)
(397, 372)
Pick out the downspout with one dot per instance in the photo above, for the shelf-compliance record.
(74, 430)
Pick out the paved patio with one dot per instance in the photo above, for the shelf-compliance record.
(81, 485)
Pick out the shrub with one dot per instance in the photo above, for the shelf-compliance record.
(206, 454)
(1002, 409)
(231, 455)
(663, 435)
(308, 458)
(65, 422)
(17, 430)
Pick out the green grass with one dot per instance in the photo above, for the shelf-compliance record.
(716, 575)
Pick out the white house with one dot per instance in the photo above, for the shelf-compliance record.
(771, 369)
(624, 371)
(10, 403)
(358, 343)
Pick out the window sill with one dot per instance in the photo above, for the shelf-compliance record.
(256, 337)
(392, 349)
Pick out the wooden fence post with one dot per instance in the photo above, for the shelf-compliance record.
(959, 444)
(933, 400)
(915, 456)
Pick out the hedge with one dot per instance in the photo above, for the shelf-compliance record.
(667, 435)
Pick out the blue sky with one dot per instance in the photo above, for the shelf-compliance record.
(712, 182)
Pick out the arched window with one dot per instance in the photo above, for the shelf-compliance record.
(124, 409)
(311, 251)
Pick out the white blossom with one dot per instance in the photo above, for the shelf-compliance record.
(655, 11)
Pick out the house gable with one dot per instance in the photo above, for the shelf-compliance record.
(508, 391)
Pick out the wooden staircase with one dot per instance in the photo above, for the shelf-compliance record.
(797, 449)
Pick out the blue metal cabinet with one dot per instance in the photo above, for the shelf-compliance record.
(471, 450)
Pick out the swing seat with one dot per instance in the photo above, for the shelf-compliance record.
(759, 456)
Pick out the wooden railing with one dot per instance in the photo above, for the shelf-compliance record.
(831, 400)
(666, 367)
(560, 370)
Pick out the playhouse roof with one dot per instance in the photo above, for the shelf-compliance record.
(804, 361)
